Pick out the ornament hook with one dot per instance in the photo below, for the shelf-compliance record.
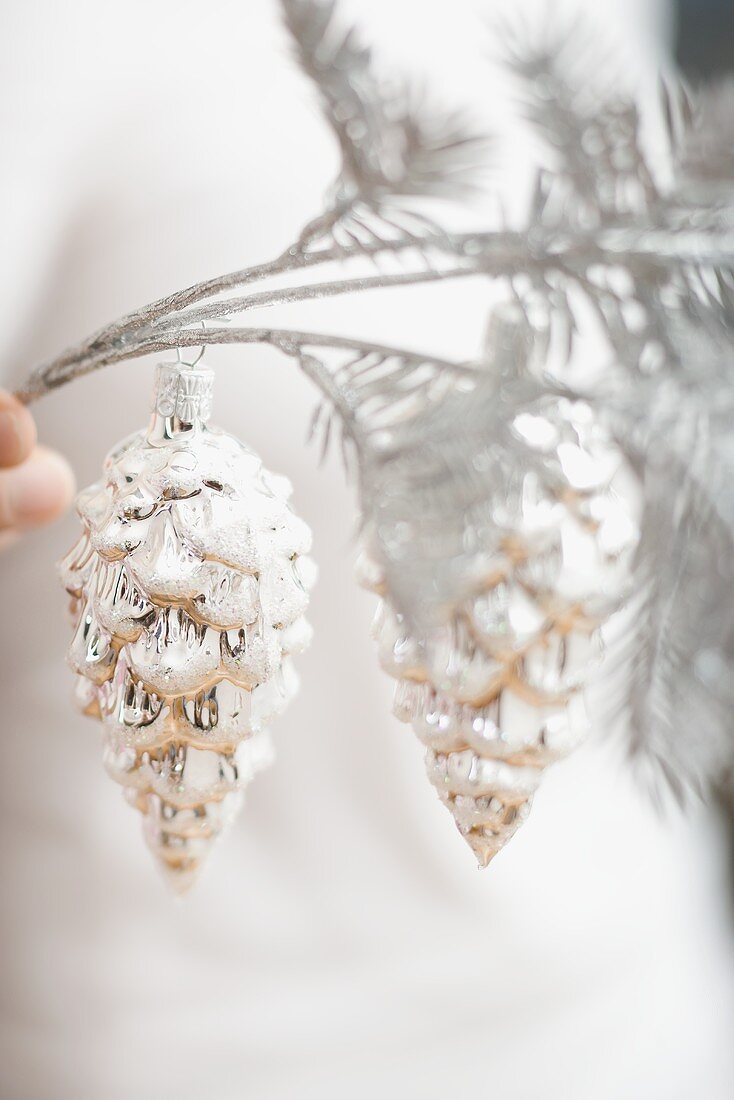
(194, 362)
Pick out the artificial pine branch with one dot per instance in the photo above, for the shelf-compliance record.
(652, 261)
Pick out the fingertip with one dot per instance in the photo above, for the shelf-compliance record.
(17, 431)
(37, 492)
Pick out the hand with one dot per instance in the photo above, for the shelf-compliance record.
(36, 484)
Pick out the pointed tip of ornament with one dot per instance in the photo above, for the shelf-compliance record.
(484, 859)
(180, 878)
(483, 848)
(484, 853)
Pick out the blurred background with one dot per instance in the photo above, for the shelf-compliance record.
(341, 942)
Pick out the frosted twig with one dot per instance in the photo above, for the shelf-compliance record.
(289, 341)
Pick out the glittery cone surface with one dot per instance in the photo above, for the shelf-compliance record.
(188, 590)
(494, 691)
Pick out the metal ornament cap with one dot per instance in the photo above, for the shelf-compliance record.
(183, 398)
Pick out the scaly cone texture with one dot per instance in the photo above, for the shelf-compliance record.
(495, 693)
(188, 591)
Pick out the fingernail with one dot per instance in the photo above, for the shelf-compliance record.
(40, 489)
(17, 435)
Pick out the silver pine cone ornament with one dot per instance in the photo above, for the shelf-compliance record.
(188, 590)
(494, 690)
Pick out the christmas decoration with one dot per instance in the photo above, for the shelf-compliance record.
(496, 563)
(494, 688)
(188, 591)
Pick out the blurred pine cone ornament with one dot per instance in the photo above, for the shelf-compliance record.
(188, 590)
(495, 690)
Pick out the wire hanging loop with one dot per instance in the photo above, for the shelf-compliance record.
(192, 362)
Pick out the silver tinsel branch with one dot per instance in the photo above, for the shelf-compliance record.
(645, 250)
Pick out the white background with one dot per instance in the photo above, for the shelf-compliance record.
(342, 943)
